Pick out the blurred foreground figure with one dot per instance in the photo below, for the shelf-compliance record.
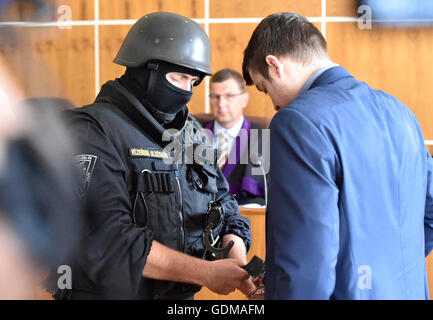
(39, 217)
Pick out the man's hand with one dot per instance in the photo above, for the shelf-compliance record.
(221, 276)
(226, 275)
(259, 293)
(249, 287)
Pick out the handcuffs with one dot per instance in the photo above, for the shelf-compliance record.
(255, 268)
(215, 216)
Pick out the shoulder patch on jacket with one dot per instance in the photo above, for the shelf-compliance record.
(85, 164)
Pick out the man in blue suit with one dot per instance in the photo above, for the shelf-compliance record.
(350, 212)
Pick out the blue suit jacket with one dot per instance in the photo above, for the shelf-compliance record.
(350, 212)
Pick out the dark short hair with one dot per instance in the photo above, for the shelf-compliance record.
(282, 34)
(226, 74)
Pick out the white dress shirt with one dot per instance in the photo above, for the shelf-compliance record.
(232, 133)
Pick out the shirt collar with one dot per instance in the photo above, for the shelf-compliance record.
(315, 75)
(232, 132)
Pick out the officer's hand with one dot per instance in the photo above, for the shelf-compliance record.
(226, 275)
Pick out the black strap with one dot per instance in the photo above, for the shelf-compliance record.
(138, 113)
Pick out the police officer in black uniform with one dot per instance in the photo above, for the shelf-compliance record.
(153, 225)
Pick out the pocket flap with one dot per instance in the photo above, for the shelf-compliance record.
(210, 169)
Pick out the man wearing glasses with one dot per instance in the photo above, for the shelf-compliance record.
(231, 133)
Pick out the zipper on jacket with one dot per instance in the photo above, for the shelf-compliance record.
(182, 220)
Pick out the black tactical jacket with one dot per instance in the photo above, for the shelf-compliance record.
(134, 197)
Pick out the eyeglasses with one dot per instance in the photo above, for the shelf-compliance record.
(227, 97)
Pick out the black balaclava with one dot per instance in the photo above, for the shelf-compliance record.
(150, 85)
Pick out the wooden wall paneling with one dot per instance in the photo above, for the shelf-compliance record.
(74, 64)
(429, 263)
(110, 41)
(258, 244)
(48, 61)
(20, 11)
(397, 61)
(197, 103)
(198, 99)
(15, 11)
(81, 9)
(262, 8)
(228, 43)
(135, 9)
(342, 8)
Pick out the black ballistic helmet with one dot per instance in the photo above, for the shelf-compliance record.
(167, 37)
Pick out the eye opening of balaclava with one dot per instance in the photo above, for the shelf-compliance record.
(150, 83)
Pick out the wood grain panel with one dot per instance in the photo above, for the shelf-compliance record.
(262, 8)
(135, 9)
(52, 62)
(111, 38)
(342, 8)
(397, 61)
(20, 11)
(429, 262)
(258, 248)
(110, 41)
(228, 43)
(197, 103)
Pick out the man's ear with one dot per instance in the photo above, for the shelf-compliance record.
(275, 65)
(246, 99)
